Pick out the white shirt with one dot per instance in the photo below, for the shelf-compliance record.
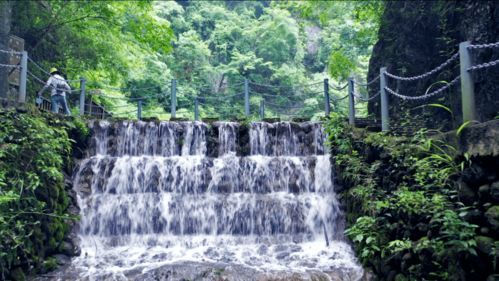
(58, 85)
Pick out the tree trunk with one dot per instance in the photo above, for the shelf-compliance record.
(5, 20)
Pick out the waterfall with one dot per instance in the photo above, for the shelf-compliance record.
(259, 196)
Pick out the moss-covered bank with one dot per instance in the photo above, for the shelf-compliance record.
(36, 152)
(417, 209)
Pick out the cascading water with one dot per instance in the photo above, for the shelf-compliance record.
(183, 197)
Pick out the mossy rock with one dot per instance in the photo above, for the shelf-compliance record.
(49, 264)
(240, 119)
(484, 244)
(151, 119)
(300, 119)
(271, 120)
(178, 119)
(210, 119)
(492, 216)
(119, 119)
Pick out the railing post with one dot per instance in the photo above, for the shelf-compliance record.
(262, 109)
(22, 81)
(385, 118)
(139, 110)
(246, 98)
(351, 102)
(467, 85)
(82, 95)
(196, 109)
(327, 108)
(174, 98)
(90, 106)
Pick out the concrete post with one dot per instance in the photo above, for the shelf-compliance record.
(351, 102)
(262, 109)
(174, 98)
(82, 95)
(23, 78)
(246, 98)
(385, 118)
(196, 109)
(467, 85)
(90, 106)
(139, 110)
(327, 108)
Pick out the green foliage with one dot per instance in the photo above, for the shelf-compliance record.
(365, 233)
(108, 42)
(340, 66)
(339, 133)
(210, 47)
(405, 203)
(33, 200)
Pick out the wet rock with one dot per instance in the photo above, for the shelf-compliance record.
(68, 248)
(62, 259)
(484, 192)
(474, 175)
(494, 192)
(282, 255)
(262, 250)
(474, 216)
(466, 194)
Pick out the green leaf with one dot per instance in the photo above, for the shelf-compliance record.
(358, 238)
(464, 125)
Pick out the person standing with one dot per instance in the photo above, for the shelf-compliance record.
(59, 87)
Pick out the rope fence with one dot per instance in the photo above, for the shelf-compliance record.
(280, 99)
(424, 75)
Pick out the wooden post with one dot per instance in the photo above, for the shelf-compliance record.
(262, 109)
(174, 98)
(139, 110)
(467, 85)
(327, 108)
(82, 95)
(22, 80)
(351, 101)
(246, 98)
(196, 109)
(385, 118)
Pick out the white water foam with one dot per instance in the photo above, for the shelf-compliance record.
(149, 203)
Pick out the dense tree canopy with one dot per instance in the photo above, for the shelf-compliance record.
(210, 47)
